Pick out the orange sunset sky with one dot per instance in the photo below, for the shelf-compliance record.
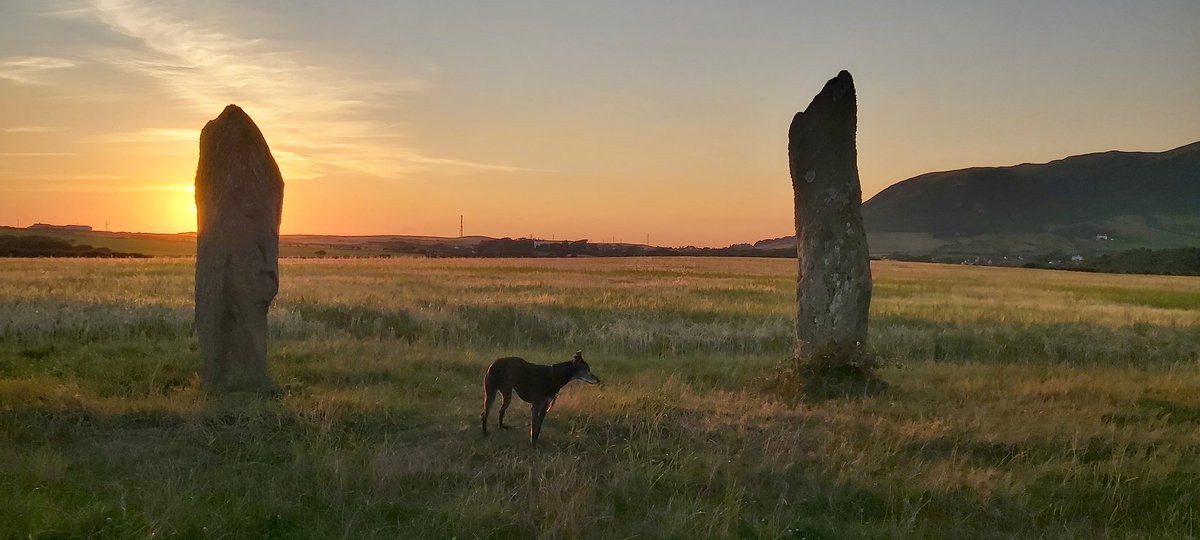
(600, 120)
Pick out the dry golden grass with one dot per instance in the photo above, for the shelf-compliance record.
(1021, 403)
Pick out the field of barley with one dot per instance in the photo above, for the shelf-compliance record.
(1020, 403)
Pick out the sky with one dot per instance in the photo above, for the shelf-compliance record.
(606, 120)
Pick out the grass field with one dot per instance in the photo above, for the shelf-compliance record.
(1021, 403)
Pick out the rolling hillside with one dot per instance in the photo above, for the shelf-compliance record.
(1079, 206)
(1094, 203)
(1045, 197)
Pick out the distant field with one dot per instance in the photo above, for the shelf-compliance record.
(1022, 403)
(156, 245)
(1121, 233)
(184, 244)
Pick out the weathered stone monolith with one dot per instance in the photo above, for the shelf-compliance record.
(833, 289)
(239, 202)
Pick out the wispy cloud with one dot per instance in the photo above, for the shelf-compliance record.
(149, 135)
(87, 187)
(30, 129)
(75, 177)
(317, 118)
(467, 164)
(31, 69)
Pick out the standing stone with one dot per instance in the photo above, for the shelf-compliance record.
(833, 289)
(239, 202)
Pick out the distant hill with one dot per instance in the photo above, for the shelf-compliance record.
(1080, 206)
(1072, 196)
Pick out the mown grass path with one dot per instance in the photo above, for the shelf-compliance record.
(1022, 403)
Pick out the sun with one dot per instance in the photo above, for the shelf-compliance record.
(178, 211)
(187, 210)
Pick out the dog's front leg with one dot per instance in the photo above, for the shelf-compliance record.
(538, 411)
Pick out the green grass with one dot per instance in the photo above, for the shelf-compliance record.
(1021, 403)
(1130, 232)
(1165, 299)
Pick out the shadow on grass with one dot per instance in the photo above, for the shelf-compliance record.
(647, 466)
(247, 467)
(1154, 410)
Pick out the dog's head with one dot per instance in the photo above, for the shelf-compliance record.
(580, 370)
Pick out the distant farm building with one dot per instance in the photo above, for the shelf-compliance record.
(49, 227)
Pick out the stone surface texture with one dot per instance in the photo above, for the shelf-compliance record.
(239, 202)
(833, 288)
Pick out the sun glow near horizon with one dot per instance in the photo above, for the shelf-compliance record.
(184, 211)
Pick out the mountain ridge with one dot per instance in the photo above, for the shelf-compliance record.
(1078, 205)
(1037, 197)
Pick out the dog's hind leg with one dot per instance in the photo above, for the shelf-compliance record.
(489, 397)
(504, 407)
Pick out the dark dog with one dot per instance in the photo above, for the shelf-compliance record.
(534, 383)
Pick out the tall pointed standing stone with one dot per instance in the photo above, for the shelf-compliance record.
(239, 202)
(834, 285)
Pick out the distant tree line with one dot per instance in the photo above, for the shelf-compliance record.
(527, 247)
(45, 246)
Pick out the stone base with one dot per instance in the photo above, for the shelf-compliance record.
(829, 376)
